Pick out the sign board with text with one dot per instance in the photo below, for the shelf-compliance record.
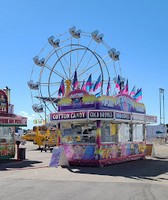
(100, 115)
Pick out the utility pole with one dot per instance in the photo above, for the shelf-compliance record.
(162, 106)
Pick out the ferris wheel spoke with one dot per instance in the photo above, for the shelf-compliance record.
(62, 66)
(85, 71)
(77, 56)
(53, 95)
(88, 68)
(44, 84)
(53, 83)
(92, 54)
(52, 70)
(115, 68)
(70, 61)
(119, 67)
(64, 58)
(65, 62)
(83, 55)
(76, 68)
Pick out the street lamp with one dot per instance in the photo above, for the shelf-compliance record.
(162, 107)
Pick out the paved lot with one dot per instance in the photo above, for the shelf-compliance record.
(34, 179)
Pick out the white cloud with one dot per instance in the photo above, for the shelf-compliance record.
(26, 114)
(30, 118)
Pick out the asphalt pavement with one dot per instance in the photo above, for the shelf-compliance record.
(148, 178)
(35, 159)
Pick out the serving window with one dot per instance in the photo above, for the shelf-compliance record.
(123, 132)
(138, 132)
(78, 132)
(109, 132)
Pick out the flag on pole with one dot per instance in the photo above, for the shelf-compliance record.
(118, 83)
(92, 86)
(132, 91)
(97, 84)
(89, 83)
(83, 87)
(108, 87)
(98, 94)
(125, 91)
(138, 95)
(61, 88)
(75, 82)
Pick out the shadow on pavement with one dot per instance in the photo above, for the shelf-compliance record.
(140, 169)
(17, 164)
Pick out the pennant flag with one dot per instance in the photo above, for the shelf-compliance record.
(132, 91)
(35, 121)
(108, 87)
(75, 81)
(98, 94)
(97, 84)
(83, 87)
(61, 88)
(118, 83)
(39, 121)
(125, 91)
(43, 121)
(138, 95)
(92, 86)
(89, 83)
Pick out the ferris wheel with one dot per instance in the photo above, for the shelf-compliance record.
(73, 54)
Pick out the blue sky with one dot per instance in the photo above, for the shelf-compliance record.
(137, 28)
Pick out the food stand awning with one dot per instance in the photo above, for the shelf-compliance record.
(13, 120)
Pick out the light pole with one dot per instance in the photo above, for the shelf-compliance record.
(162, 107)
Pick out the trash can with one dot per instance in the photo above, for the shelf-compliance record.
(22, 153)
(149, 148)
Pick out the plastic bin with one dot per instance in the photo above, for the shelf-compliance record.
(22, 153)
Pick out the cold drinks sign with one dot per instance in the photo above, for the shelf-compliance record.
(102, 114)
(82, 115)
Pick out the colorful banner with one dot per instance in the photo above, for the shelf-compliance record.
(56, 154)
(122, 102)
(77, 99)
(107, 151)
(58, 157)
(84, 152)
(80, 99)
